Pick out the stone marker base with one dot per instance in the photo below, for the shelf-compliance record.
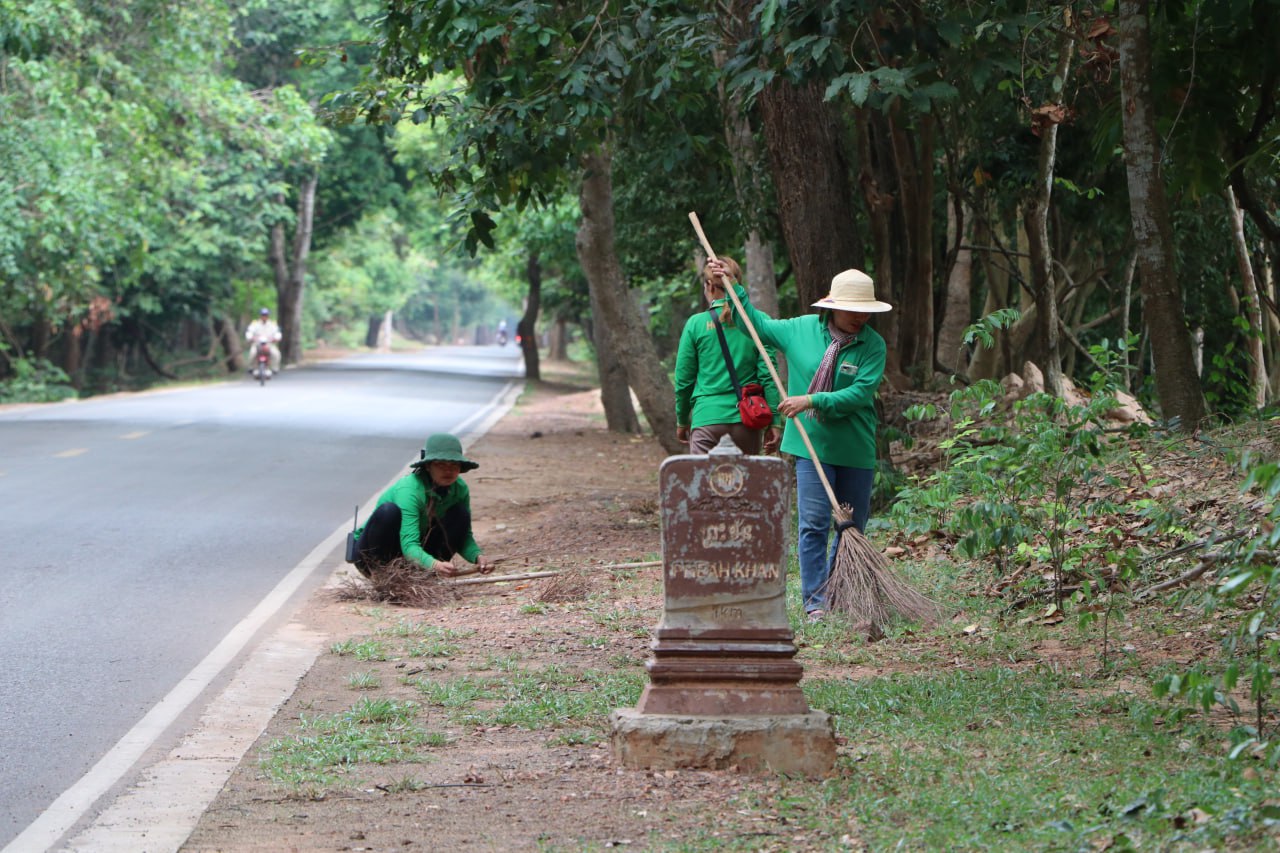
(801, 744)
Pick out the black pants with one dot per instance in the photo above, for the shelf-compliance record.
(379, 542)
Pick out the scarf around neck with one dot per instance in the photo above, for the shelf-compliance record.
(825, 374)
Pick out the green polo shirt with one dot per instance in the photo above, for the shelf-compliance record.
(417, 500)
(845, 432)
(704, 393)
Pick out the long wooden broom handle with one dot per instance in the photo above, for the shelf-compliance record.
(764, 354)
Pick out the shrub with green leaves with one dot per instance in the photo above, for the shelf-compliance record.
(1030, 482)
(35, 380)
(1251, 586)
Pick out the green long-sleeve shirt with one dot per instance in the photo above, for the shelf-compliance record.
(415, 497)
(845, 431)
(704, 394)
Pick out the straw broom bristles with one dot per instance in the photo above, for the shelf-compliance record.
(863, 586)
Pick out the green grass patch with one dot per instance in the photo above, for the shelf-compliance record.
(365, 649)
(574, 737)
(373, 731)
(455, 692)
(1002, 759)
(550, 697)
(368, 680)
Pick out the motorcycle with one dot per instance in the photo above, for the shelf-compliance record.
(502, 337)
(261, 369)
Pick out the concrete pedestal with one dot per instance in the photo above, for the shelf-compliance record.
(800, 744)
(723, 685)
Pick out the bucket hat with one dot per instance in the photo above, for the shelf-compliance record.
(443, 447)
(853, 290)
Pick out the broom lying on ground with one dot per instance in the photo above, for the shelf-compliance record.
(860, 583)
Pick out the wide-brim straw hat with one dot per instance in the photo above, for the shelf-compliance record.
(443, 447)
(853, 290)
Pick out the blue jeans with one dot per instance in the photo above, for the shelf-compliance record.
(853, 488)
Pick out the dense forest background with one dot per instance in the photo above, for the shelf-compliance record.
(1098, 181)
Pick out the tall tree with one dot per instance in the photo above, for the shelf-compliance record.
(544, 86)
(750, 174)
(290, 266)
(1048, 118)
(806, 152)
(599, 260)
(1177, 382)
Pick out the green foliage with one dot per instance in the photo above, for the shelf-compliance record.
(1028, 484)
(544, 85)
(983, 331)
(1250, 587)
(87, 116)
(35, 380)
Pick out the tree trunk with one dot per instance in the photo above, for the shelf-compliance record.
(1001, 268)
(384, 332)
(913, 166)
(748, 168)
(811, 180)
(615, 395)
(1042, 278)
(72, 354)
(373, 331)
(527, 328)
(1252, 304)
(1177, 384)
(229, 339)
(291, 270)
(1133, 359)
(875, 180)
(40, 335)
(955, 311)
(632, 344)
(557, 343)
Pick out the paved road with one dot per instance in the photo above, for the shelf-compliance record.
(139, 529)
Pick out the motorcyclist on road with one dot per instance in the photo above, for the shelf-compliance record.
(264, 329)
(502, 332)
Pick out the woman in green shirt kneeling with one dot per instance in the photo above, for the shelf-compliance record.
(425, 516)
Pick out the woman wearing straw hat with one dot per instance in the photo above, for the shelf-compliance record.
(425, 516)
(835, 363)
(706, 396)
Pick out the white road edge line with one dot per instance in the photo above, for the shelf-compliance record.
(161, 811)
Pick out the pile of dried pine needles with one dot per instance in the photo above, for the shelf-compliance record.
(570, 585)
(399, 581)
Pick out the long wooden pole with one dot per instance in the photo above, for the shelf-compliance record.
(547, 573)
(773, 371)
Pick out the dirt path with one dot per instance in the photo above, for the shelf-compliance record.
(554, 489)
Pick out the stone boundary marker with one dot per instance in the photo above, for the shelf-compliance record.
(723, 683)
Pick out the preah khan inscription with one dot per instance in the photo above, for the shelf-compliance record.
(706, 571)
